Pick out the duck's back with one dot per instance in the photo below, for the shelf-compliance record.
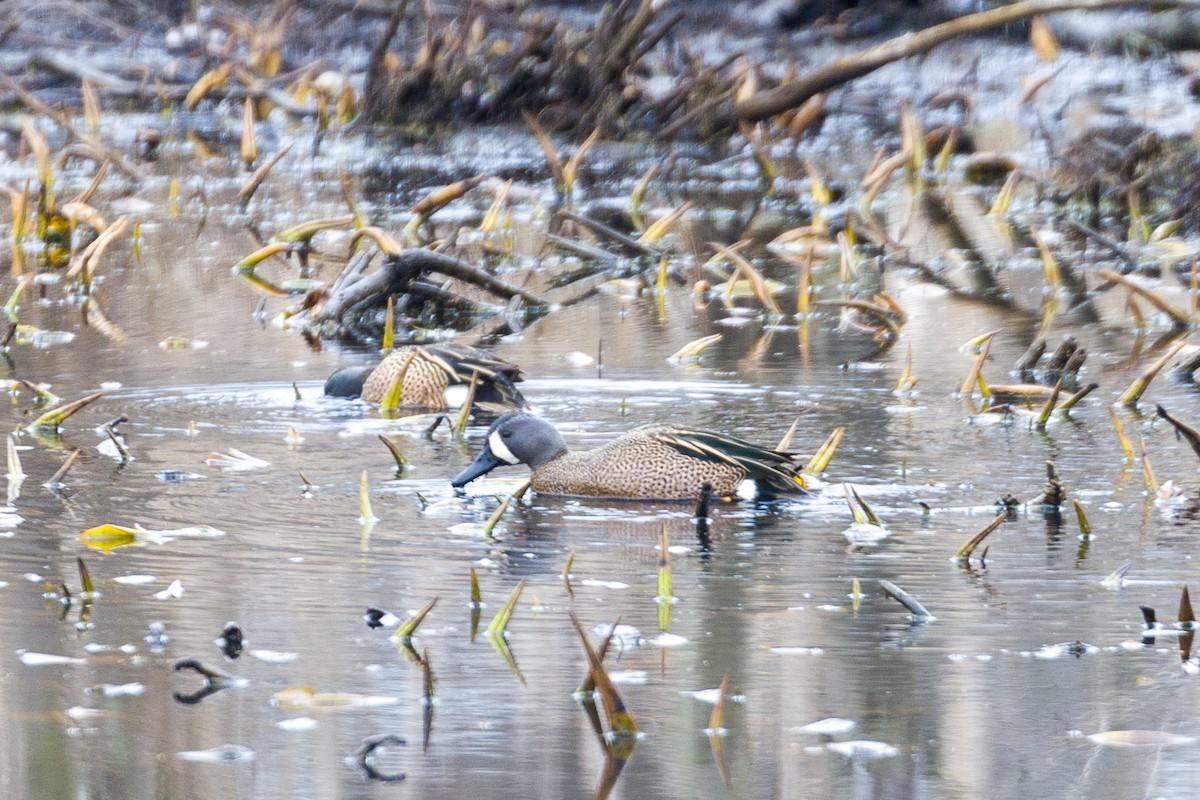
(639, 464)
(425, 381)
(431, 369)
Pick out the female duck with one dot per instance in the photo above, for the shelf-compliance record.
(428, 371)
(662, 462)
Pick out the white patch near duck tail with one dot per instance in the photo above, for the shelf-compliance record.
(500, 449)
(456, 395)
(748, 489)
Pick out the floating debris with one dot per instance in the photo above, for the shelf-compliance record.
(1116, 578)
(692, 351)
(47, 659)
(182, 343)
(214, 681)
(919, 613)
(110, 537)
(297, 724)
(234, 461)
(371, 749)
(863, 748)
(299, 698)
(830, 726)
(1135, 738)
(224, 754)
(1077, 649)
(625, 637)
(174, 590)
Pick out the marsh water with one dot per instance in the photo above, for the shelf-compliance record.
(978, 702)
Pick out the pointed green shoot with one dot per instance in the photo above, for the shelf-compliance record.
(14, 461)
(84, 577)
(976, 374)
(389, 327)
(566, 575)
(494, 519)
(394, 449)
(10, 307)
(1074, 399)
(1117, 578)
(863, 513)
(907, 381)
(1048, 408)
(620, 720)
(1136, 389)
(476, 595)
(1085, 527)
(306, 230)
(785, 443)
(1126, 444)
(664, 569)
(53, 418)
(409, 627)
(41, 396)
(964, 552)
(391, 398)
(364, 499)
(716, 719)
(1148, 478)
(820, 460)
(464, 413)
(500, 622)
(1186, 615)
(57, 478)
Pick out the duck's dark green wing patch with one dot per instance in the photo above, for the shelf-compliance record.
(775, 469)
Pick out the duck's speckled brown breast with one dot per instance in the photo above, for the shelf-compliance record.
(424, 383)
(636, 465)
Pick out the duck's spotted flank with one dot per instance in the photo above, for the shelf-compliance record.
(653, 462)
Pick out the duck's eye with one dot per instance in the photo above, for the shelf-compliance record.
(506, 434)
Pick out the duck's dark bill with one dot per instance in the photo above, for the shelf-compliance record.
(484, 463)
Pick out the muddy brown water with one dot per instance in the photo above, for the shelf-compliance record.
(973, 704)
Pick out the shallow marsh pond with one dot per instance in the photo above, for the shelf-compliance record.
(976, 703)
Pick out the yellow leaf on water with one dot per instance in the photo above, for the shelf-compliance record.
(109, 537)
(1044, 42)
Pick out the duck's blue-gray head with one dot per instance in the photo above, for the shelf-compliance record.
(515, 438)
(347, 382)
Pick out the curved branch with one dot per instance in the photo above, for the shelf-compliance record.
(847, 68)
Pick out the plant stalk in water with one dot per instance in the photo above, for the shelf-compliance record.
(964, 552)
(499, 623)
(408, 628)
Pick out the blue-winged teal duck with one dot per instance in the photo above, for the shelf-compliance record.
(662, 462)
(430, 370)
